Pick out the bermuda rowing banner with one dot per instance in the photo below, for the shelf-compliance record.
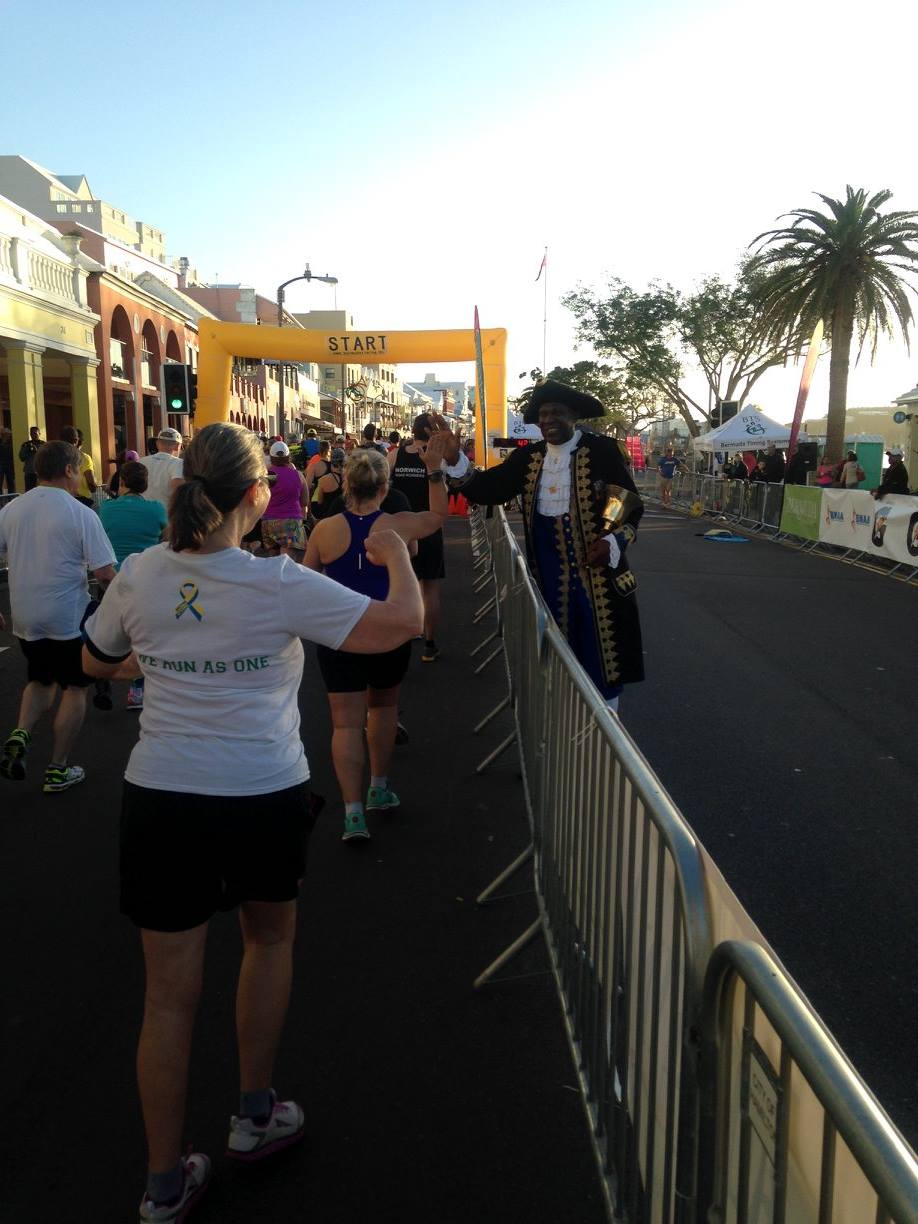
(800, 512)
(886, 527)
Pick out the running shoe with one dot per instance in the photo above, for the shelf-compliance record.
(135, 697)
(430, 653)
(197, 1175)
(381, 799)
(355, 826)
(12, 765)
(102, 697)
(250, 1141)
(61, 778)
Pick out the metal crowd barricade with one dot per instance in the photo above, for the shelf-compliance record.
(789, 1131)
(703, 1070)
(618, 878)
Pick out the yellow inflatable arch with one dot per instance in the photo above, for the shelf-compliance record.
(221, 342)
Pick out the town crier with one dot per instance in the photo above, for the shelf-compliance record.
(580, 513)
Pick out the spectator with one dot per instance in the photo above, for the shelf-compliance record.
(825, 473)
(7, 470)
(27, 453)
(216, 809)
(152, 447)
(575, 542)
(895, 477)
(852, 473)
(164, 468)
(774, 465)
(738, 470)
(668, 466)
(87, 483)
(796, 469)
(363, 689)
(51, 541)
(758, 472)
(282, 528)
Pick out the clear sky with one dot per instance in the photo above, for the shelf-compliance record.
(425, 153)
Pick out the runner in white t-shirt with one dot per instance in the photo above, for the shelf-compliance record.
(216, 809)
(51, 540)
(164, 469)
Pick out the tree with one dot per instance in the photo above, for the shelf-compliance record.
(628, 404)
(840, 267)
(658, 336)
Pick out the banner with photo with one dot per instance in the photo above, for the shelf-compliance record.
(886, 527)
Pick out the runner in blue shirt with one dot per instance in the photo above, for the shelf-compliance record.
(133, 525)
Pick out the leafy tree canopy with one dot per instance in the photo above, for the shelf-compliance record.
(660, 338)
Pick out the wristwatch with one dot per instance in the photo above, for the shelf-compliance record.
(436, 477)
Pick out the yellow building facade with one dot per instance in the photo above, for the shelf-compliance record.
(47, 344)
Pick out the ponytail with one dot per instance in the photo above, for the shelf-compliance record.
(221, 462)
(192, 516)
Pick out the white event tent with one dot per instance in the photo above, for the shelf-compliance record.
(748, 430)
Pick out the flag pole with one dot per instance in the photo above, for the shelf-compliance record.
(545, 315)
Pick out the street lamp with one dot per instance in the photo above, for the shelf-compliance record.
(307, 276)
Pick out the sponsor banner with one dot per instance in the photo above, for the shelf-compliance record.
(800, 515)
(885, 527)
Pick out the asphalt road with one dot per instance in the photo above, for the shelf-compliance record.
(779, 712)
(424, 1100)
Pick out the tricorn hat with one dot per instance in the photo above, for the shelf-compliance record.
(551, 392)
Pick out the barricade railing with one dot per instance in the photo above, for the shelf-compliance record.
(789, 1131)
(619, 883)
(631, 908)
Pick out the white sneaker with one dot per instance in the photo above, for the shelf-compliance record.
(248, 1141)
(61, 779)
(197, 1175)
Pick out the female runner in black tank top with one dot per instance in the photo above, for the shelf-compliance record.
(409, 476)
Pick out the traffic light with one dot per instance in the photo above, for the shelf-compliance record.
(176, 389)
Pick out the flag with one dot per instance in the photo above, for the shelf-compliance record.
(543, 265)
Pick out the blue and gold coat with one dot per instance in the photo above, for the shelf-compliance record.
(596, 463)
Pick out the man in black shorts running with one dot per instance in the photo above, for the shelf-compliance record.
(51, 541)
(410, 476)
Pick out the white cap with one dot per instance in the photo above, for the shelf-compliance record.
(169, 435)
(279, 449)
(895, 450)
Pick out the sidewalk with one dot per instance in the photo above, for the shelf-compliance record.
(423, 1099)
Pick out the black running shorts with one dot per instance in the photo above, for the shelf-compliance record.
(344, 672)
(429, 560)
(183, 857)
(50, 661)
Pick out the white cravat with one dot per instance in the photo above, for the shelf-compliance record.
(555, 482)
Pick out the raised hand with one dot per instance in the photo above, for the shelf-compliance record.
(435, 449)
(438, 424)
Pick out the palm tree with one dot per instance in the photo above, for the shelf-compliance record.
(841, 267)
